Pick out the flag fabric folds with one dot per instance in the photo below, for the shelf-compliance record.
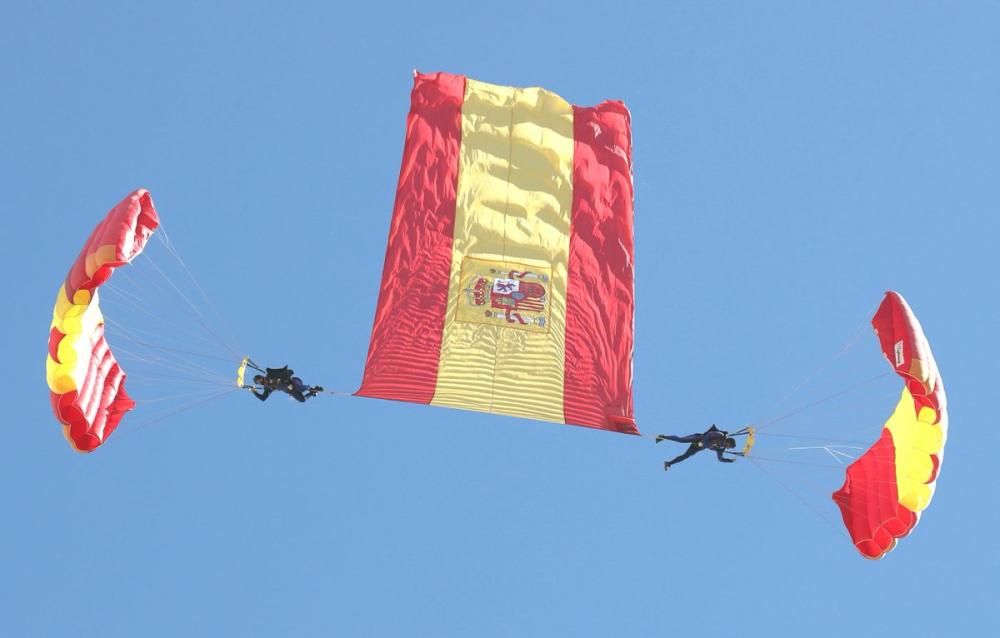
(508, 277)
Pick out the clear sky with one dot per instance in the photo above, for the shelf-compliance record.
(792, 162)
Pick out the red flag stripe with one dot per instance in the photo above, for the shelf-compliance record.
(600, 298)
(405, 346)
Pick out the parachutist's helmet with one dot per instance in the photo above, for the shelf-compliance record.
(258, 379)
(730, 442)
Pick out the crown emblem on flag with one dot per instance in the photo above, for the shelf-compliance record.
(480, 291)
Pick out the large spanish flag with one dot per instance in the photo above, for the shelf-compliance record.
(508, 278)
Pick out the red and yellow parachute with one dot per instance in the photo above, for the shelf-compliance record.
(86, 383)
(888, 486)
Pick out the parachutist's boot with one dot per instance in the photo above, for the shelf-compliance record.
(666, 465)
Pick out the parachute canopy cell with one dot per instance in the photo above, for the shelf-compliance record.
(508, 278)
(889, 485)
(86, 384)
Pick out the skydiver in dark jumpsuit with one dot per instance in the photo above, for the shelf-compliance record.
(711, 439)
(283, 380)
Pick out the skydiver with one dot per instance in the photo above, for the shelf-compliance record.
(711, 439)
(283, 379)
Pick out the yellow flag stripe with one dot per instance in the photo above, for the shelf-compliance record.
(515, 192)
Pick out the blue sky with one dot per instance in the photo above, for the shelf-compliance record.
(791, 164)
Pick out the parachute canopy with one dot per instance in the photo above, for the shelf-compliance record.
(87, 385)
(508, 278)
(889, 485)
